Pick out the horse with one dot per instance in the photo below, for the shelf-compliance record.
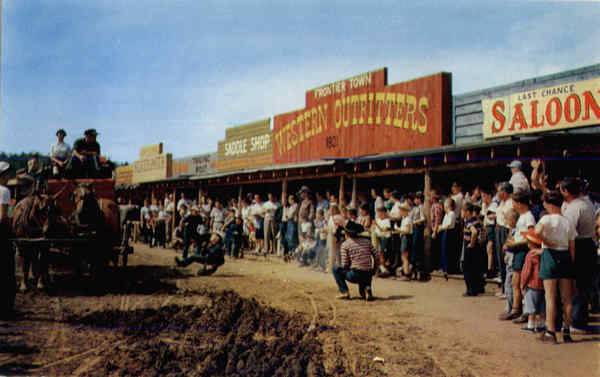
(36, 216)
(98, 218)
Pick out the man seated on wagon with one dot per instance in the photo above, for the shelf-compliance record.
(85, 162)
(212, 255)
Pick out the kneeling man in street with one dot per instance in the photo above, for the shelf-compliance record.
(212, 255)
(358, 262)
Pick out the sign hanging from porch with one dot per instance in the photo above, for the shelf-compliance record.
(560, 107)
(363, 115)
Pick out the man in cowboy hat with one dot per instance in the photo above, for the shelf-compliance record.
(356, 265)
(307, 207)
(518, 179)
(60, 153)
(86, 152)
(212, 255)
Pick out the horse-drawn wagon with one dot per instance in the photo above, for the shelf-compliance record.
(78, 218)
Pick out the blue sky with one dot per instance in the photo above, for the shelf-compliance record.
(180, 72)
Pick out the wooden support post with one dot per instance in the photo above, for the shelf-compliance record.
(427, 204)
(174, 215)
(341, 197)
(354, 189)
(427, 232)
(284, 185)
(240, 196)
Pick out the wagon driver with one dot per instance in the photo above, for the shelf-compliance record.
(86, 152)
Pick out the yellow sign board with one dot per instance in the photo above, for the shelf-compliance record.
(560, 107)
(151, 150)
(124, 175)
(152, 168)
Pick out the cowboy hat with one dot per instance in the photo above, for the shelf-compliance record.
(353, 228)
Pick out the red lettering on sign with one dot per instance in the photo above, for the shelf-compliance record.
(498, 113)
(572, 117)
(590, 103)
(557, 112)
(534, 117)
(518, 117)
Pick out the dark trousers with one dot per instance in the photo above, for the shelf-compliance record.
(501, 236)
(362, 278)
(188, 236)
(418, 248)
(585, 263)
(8, 283)
(473, 271)
(236, 245)
(210, 259)
(86, 168)
(160, 237)
(385, 247)
(449, 254)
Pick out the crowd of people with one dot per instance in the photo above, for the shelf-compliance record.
(538, 243)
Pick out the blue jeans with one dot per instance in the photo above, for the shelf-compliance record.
(501, 236)
(362, 278)
(417, 250)
(188, 236)
(322, 254)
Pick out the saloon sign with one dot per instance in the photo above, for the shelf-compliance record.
(559, 107)
(363, 115)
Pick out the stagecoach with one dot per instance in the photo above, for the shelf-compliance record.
(68, 224)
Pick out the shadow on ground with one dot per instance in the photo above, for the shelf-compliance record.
(141, 280)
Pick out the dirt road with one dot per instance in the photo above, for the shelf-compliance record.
(419, 329)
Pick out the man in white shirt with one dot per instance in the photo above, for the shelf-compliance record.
(581, 214)
(458, 198)
(269, 208)
(518, 180)
(7, 255)
(182, 201)
(505, 191)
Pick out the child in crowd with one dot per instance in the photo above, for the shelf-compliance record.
(473, 253)
(364, 217)
(351, 214)
(448, 234)
(235, 231)
(532, 285)
(511, 217)
(405, 231)
(383, 227)
(202, 229)
(556, 264)
(321, 236)
(307, 249)
(518, 245)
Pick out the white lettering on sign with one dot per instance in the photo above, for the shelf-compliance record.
(260, 143)
(239, 147)
(236, 148)
(340, 86)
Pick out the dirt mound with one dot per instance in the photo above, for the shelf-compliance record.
(229, 336)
